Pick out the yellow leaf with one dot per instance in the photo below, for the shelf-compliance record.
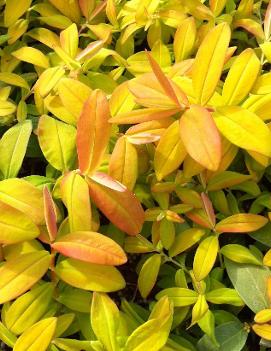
(267, 258)
(75, 195)
(241, 77)
(209, 62)
(201, 137)
(31, 55)
(13, 79)
(69, 40)
(71, 10)
(244, 129)
(48, 80)
(184, 39)
(38, 337)
(23, 196)
(170, 151)
(105, 319)
(262, 85)
(55, 106)
(16, 30)
(57, 142)
(148, 274)
(15, 10)
(121, 100)
(185, 240)
(199, 309)
(205, 257)
(123, 165)
(21, 273)
(45, 36)
(73, 95)
(90, 276)
(263, 330)
(263, 316)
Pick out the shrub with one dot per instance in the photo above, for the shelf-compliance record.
(135, 159)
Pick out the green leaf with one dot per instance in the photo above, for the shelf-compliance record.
(250, 282)
(57, 141)
(148, 274)
(13, 148)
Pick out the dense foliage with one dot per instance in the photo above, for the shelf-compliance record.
(135, 162)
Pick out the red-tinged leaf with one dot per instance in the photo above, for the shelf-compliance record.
(93, 132)
(165, 82)
(201, 137)
(151, 127)
(143, 115)
(50, 214)
(251, 26)
(267, 22)
(241, 223)
(90, 50)
(118, 203)
(199, 217)
(208, 207)
(91, 247)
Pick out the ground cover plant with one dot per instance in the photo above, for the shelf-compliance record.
(135, 164)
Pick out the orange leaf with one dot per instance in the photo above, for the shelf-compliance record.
(50, 214)
(165, 82)
(143, 115)
(93, 132)
(241, 223)
(118, 203)
(91, 247)
(201, 137)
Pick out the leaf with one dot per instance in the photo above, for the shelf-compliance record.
(23, 229)
(241, 77)
(179, 296)
(209, 62)
(73, 95)
(241, 223)
(49, 79)
(90, 247)
(57, 142)
(13, 147)
(148, 275)
(75, 195)
(199, 309)
(201, 137)
(72, 11)
(205, 257)
(24, 197)
(185, 240)
(239, 254)
(31, 55)
(105, 319)
(226, 179)
(50, 214)
(19, 274)
(7, 336)
(117, 202)
(121, 100)
(123, 165)
(231, 336)
(263, 330)
(14, 79)
(224, 296)
(244, 129)
(46, 37)
(38, 337)
(142, 115)
(170, 152)
(249, 278)
(263, 316)
(6, 108)
(153, 334)
(29, 308)
(90, 276)
(15, 10)
(184, 39)
(69, 40)
(93, 132)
